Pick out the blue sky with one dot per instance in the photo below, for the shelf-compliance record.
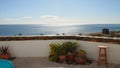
(60, 12)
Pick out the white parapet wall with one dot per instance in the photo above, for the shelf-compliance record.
(40, 48)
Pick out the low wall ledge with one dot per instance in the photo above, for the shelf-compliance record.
(94, 39)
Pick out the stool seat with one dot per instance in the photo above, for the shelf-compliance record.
(101, 46)
(102, 55)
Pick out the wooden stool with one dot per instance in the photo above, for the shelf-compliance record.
(102, 55)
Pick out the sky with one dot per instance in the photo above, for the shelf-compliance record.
(60, 12)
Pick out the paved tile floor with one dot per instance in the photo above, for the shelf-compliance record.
(43, 62)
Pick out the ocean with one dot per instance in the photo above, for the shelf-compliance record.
(38, 29)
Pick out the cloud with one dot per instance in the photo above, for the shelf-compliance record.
(27, 17)
(57, 20)
(49, 17)
(9, 21)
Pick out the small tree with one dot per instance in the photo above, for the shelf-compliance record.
(57, 34)
(63, 33)
(41, 34)
(80, 34)
(20, 34)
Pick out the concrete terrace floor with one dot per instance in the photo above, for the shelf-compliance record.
(43, 62)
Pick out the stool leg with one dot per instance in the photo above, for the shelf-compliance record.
(99, 57)
(106, 61)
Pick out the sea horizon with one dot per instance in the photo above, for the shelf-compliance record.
(42, 29)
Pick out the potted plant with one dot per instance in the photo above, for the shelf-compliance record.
(70, 48)
(57, 52)
(80, 57)
(4, 52)
(53, 56)
(61, 54)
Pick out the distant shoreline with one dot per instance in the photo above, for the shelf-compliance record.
(92, 34)
(100, 34)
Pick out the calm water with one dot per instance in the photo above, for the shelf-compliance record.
(11, 30)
